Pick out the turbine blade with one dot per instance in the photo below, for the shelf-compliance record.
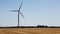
(20, 6)
(13, 10)
(21, 14)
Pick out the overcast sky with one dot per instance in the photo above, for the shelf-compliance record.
(36, 12)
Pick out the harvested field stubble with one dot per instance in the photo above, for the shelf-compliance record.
(29, 30)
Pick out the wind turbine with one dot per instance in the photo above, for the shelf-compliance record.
(19, 12)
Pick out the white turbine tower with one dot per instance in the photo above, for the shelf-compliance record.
(19, 13)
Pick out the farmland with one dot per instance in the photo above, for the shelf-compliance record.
(29, 30)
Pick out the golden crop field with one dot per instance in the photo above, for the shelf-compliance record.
(29, 30)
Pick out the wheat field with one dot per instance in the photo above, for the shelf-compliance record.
(29, 30)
